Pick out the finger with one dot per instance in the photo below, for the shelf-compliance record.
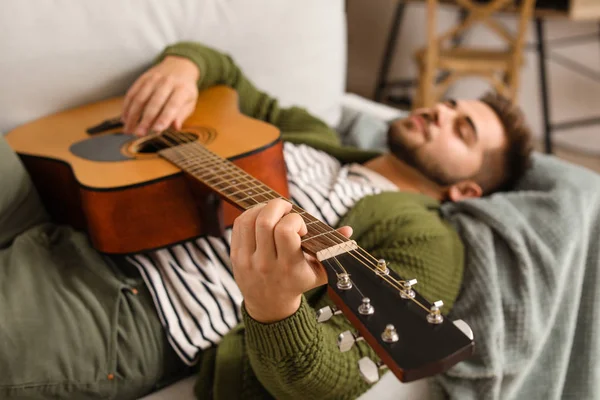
(234, 251)
(242, 236)
(318, 269)
(320, 274)
(171, 109)
(265, 226)
(288, 234)
(186, 111)
(138, 103)
(154, 107)
(130, 95)
(346, 231)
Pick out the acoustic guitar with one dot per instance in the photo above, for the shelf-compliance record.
(135, 194)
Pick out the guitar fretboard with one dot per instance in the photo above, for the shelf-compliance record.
(245, 191)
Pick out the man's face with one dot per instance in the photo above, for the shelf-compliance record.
(447, 143)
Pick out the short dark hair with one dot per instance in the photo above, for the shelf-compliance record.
(502, 170)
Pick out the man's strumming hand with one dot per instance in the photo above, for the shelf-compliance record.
(163, 96)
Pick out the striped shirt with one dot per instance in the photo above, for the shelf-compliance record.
(192, 283)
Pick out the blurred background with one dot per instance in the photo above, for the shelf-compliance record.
(386, 34)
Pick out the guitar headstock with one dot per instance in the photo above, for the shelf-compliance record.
(408, 333)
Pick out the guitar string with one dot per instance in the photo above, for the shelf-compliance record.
(229, 171)
(202, 150)
(225, 167)
(232, 168)
(265, 194)
(172, 139)
(268, 195)
(244, 180)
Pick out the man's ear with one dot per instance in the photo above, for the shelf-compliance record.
(464, 190)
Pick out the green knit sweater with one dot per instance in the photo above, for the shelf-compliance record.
(297, 358)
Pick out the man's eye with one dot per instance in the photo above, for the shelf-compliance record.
(464, 131)
(467, 133)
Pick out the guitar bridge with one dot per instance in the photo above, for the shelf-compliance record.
(336, 250)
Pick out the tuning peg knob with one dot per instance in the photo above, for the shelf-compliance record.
(435, 316)
(346, 340)
(369, 371)
(324, 314)
(464, 327)
(407, 292)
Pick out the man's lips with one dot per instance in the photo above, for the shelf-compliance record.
(420, 122)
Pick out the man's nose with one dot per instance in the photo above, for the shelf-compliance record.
(445, 115)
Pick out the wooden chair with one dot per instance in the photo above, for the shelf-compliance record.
(500, 67)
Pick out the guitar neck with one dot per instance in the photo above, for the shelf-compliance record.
(245, 191)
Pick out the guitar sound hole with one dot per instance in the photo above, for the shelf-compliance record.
(153, 144)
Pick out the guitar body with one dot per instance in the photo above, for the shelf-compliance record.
(122, 193)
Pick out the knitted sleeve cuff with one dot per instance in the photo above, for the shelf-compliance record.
(288, 337)
(189, 51)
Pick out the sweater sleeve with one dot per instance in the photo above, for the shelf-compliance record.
(295, 123)
(298, 358)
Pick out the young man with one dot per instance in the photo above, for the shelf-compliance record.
(104, 325)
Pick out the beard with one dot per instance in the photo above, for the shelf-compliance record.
(415, 154)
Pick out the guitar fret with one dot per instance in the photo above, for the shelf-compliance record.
(241, 190)
(305, 239)
(235, 184)
(244, 190)
(264, 200)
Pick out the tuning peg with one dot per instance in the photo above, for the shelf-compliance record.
(366, 308)
(434, 316)
(344, 282)
(382, 268)
(369, 370)
(464, 327)
(346, 340)
(390, 335)
(324, 314)
(407, 292)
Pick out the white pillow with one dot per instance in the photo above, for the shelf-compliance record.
(62, 53)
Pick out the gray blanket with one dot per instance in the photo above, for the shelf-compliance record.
(531, 288)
